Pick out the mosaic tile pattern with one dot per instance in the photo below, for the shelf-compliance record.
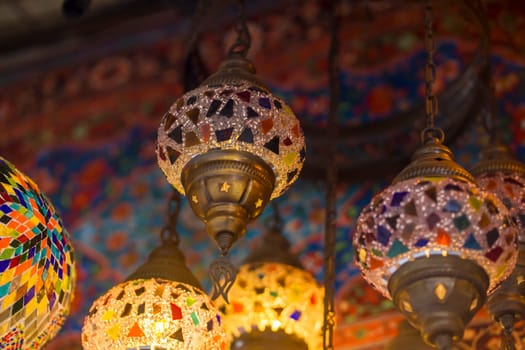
(511, 190)
(434, 216)
(277, 297)
(240, 117)
(37, 269)
(153, 314)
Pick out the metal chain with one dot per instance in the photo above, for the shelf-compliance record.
(431, 102)
(331, 184)
(277, 221)
(244, 40)
(169, 231)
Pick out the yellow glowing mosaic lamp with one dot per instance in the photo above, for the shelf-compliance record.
(275, 302)
(37, 268)
(161, 306)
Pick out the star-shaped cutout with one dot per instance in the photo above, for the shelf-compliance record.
(259, 203)
(194, 199)
(225, 187)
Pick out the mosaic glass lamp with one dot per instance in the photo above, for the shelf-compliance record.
(274, 303)
(230, 146)
(499, 172)
(433, 241)
(161, 306)
(37, 266)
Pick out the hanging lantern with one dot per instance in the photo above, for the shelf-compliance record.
(37, 267)
(160, 306)
(274, 302)
(230, 146)
(433, 241)
(499, 172)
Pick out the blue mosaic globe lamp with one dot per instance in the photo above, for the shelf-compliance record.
(37, 265)
(433, 241)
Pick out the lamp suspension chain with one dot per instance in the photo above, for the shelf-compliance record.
(244, 40)
(431, 102)
(331, 184)
(169, 230)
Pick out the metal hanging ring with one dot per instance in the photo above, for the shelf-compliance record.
(244, 40)
(432, 134)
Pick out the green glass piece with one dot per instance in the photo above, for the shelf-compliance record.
(194, 318)
(377, 252)
(461, 222)
(396, 249)
(475, 203)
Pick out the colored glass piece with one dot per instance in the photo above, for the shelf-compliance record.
(193, 115)
(410, 208)
(397, 198)
(443, 238)
(266, 125)
(422, 242)
(264, 102)
(383, 235)
(135, 331)
(214, 107)
(462, 222)
(191, 140)
(251, 113)
(224, 134)
(227, 110)
(452, 206)
(432, 220)
(472, 243)
(176, 134)
(273, 145)
(396, 249)
(492, 237)
(244, 95)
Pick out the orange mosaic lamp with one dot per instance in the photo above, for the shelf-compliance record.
(37, 267)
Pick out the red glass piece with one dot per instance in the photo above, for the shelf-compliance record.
(244, 95)
(176, 312)
(266, 125)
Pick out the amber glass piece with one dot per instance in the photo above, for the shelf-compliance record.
(135, 331)
(443, 238)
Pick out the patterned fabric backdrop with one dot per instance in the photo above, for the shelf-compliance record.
(84, 128)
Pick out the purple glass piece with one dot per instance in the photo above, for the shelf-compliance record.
(422, 242)
(383, 235)
(296, 315)
(432, 220)
(397, 198)
(265, 102)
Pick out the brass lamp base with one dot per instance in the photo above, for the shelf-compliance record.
(439, 295)
(227, 189)
(507, 304)
(407, 338)
(257, 340)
